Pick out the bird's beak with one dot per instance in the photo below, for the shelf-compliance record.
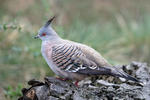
(36, 37)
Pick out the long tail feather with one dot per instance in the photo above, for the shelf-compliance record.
(119, 73)
(108, 70)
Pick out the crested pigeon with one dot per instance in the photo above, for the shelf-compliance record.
(72, 60)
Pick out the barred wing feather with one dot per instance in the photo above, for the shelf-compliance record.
(71, 58)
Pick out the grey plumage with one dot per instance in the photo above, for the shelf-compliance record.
(73, 60)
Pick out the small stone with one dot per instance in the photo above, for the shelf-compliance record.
(110, 89)
(76, 96)
(58, 89)
(52, 98)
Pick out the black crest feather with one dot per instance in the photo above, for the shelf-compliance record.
(49, 21)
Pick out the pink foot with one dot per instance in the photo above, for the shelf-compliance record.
(76, 83)
(62, 79)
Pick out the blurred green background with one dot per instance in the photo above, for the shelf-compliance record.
(119, 29)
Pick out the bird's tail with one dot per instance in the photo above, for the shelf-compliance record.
(117, 72)
(109, 70)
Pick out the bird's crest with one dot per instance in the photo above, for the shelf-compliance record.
(49, 21)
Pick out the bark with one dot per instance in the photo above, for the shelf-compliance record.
(97, 89)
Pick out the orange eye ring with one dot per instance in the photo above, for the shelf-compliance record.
(43, 34)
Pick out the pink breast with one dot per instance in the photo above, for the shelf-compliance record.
(47, 49)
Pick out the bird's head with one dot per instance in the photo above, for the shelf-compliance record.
(47, 32)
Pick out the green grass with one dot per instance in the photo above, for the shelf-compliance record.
(13, 93)
(120, 44)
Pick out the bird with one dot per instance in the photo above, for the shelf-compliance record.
(72, 60)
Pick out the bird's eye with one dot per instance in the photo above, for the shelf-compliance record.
(43, 34)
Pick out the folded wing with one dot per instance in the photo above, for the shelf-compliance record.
(71, 58)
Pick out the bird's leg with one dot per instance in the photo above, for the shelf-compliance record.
(62, 79)
(76, 83)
